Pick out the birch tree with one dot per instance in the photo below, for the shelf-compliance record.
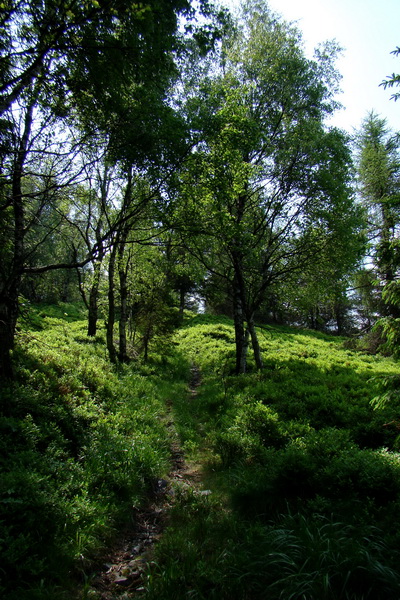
(269, 183)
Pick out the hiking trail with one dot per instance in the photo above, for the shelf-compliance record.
(121, 571)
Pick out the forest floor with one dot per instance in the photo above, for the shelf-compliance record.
(122, 571)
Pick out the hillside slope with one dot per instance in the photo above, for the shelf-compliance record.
(304, 474)
(301, 475)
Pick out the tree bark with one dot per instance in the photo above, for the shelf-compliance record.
(8, 321)
(111, 307)
(93, 310)
(10, 286)
(241, 339)
(93, 298)
(94, 292)
(255, 343)
(182, 297)
(123, 320)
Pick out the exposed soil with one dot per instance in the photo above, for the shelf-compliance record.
(122, 570)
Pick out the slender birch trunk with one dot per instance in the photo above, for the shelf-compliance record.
(93, 299)
(255, 343)
(240, 333)
(111, 306)
(123, 320)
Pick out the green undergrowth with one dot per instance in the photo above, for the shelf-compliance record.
(302, 463)
(81, 443)
(304, 473)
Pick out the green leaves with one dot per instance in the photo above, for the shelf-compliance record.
(378, 169)
(301, 503)
(392, 80)
(79, 445)
(269, 182)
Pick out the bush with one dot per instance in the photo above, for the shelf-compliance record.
(324, 469)
(254, 427)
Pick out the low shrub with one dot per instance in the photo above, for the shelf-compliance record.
(311, 498)
(208, 553)
(80, 444)
(254, 427)
(324, 465)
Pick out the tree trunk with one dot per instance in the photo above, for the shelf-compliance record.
(94, 292)
(182, 297)
(93, 311)
(241, 339)
(255, 343)
(339, 313)
(8, 321)
(146, 340)
(123, 320)
(111, 307)
(93, 300)
(11, 286)
(123, 262)
(123, 274)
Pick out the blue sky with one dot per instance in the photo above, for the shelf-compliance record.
(367, 30)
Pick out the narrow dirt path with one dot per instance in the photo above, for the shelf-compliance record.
(121, 571)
